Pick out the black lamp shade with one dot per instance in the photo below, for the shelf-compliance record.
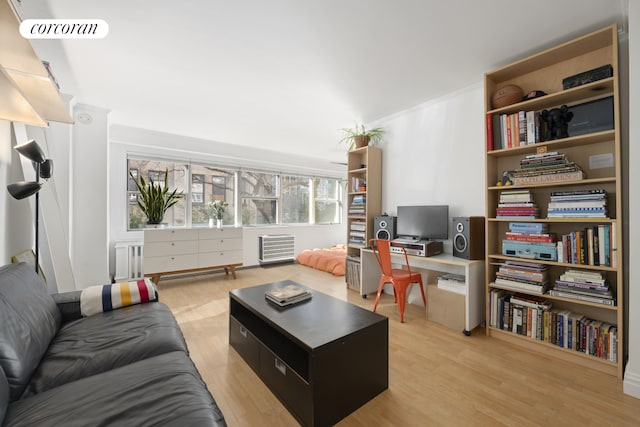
(23, 189)
(31, 150)
(46, 169)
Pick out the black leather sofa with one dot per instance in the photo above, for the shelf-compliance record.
(126, 367)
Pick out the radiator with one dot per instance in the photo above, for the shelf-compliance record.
(129, 256)
(275, 248)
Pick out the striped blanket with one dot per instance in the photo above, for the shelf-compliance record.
(96, 299)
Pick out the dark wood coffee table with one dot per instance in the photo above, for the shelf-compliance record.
(323, 358)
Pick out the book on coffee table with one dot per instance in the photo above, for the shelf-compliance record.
(287, 295)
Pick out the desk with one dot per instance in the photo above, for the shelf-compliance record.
(431, 268)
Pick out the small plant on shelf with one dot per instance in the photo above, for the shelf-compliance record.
(359, 136)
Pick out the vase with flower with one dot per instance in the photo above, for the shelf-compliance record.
(215, 210)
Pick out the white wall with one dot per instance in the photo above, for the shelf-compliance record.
(88, 197)
(5, 161)
(434, 154)
(632, 372)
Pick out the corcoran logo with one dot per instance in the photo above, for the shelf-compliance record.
(64, 29)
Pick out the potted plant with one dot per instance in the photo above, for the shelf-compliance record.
(359, 136)
(215, 209)
(155, 199)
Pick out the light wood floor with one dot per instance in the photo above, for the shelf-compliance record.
(436, 376)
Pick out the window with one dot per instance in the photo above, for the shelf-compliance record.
(327, 196)
(265, 198)
(294, 199)
(197, 188)
(217, 184)
(259, 193)
(155, 171)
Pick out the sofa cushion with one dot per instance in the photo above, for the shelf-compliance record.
(105, 341)
(29, 319)
(163, 390)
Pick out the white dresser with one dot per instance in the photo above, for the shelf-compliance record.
(173, 251)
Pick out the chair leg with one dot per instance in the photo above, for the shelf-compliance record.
(380, 287)
(402, 299)
(424, 299)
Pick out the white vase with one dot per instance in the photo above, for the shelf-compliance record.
(210, 222)
(219, 223)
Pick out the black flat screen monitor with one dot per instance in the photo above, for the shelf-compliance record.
(423, 222)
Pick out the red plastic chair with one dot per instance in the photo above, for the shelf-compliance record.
(400, 279)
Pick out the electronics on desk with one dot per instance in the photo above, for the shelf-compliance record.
(468, 237)
(420, 228)
(384, 227)
(416, 247)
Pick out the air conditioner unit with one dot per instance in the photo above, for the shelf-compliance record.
(275, 248)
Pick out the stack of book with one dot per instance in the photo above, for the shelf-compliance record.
(357, 232)
(453, 282)
(358, 206)
(517, 204)
(287, 295)
(590, 286)
(546, 167)
(523, 276)
(534, 232)
(578, 204)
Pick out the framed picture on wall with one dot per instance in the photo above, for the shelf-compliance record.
(30, 258)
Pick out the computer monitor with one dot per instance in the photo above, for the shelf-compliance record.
(430, 222)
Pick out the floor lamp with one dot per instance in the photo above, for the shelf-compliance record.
(23, 189)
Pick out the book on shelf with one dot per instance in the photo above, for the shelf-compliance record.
(543, 179)
(529, 227)
(535, 318)
(287, 295)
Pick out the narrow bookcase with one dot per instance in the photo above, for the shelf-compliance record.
(597, 153)
(364, 189)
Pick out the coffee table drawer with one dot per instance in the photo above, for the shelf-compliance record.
(244, 342)
(287, 385)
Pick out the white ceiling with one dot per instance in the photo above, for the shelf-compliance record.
(288, 74)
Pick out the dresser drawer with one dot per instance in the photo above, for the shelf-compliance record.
(169, 235)
(287, 385)
(220, 233)
(219, 258)
(170, 263)
(212, 245)
(244, 343)
(179, 247)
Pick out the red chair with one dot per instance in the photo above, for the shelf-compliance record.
(400, 279)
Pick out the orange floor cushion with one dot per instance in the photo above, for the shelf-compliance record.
(331, 260)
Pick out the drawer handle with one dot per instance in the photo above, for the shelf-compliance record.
(173, 244)
(243, 331)
(281, 367)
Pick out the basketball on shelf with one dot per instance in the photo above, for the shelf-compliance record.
(506, 95)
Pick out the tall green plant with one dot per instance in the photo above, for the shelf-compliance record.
(155, 199)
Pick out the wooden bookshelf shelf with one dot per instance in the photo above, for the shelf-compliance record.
(598, 154)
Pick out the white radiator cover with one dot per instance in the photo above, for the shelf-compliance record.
(129, 260)
(275, 248)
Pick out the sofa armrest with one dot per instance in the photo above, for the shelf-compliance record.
(69, 305)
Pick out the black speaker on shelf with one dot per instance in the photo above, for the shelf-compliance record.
(468, 237)
(384, 227)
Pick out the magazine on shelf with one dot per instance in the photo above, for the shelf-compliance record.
(287, 295)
